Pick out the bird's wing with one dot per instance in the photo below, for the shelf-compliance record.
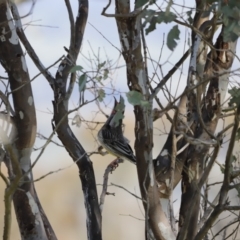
(119, 144)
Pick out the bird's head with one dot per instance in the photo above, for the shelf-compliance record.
(117, 113)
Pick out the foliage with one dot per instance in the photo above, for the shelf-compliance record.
(152, 18)
(173, 35)
(136, 98)
(235, 96)
(140, 3)
(82, 80)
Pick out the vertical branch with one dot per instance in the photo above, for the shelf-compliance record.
(193, 166)
(219, 61)
(62, 93)
(7, 206)
(186, 106)
(172, 170)
(223, 197)
(162, 163)
(129, 29)
(22, 188)
(65, 134)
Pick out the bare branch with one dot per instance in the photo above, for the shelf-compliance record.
(134, 195)
(169, 74)
(72, 24)
(235, 220)
(7, 103)
(28, 46)
(108, 170)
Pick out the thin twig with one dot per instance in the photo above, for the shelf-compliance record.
(129, 215)
(105, 38)
(28, 46)
(36, 76)
(169, 74)
(134, 195)
(71, 20)
(108, 170)
(7, 103)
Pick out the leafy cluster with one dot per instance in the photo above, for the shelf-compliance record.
(101, 75)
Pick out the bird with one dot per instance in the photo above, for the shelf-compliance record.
(111, 134)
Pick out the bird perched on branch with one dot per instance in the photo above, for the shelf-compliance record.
(111, 135)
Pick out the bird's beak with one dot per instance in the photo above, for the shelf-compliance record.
(115, 102)
(121, 100)
(114, 107)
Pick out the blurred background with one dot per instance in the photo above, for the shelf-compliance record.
(60, 193)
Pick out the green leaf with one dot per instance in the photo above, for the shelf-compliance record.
(152, 18)
(152, 25)
(82, 82)
(105, 73)
(233, 158)
(222, 168)
(144, 103)
(173, 35)
(166, 17)
(235, 96)
(101, 95)
(99, 78)
(100, 65)
(136, 98)
(140, 3)
(119, 115)
(231, 20)
(76, 68)
(189, 14)
(231, 30)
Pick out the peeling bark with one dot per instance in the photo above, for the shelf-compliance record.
(36, 225)
(24, 197)
(187, 105)
(129, 34)
(65, 134)
(211, 110)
